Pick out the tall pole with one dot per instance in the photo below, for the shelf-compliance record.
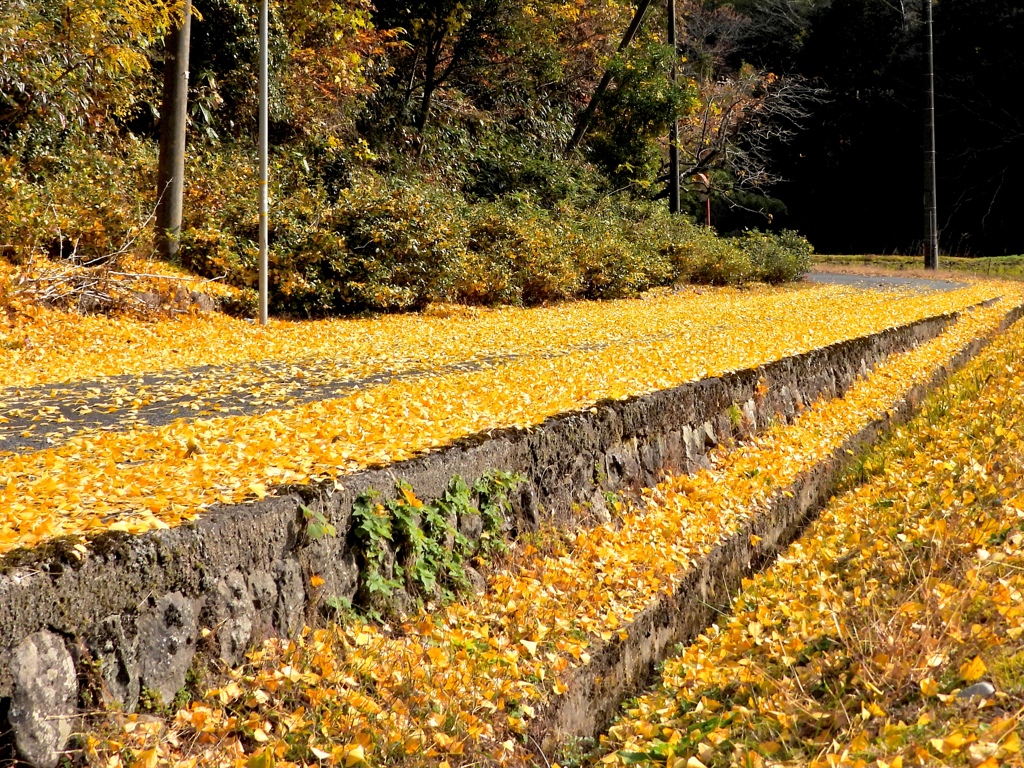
(264, 150)
(931, 208)
(673, 136)
(170, 183)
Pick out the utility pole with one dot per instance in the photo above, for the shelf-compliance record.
(170, 184)
(588, 114)
(931, 210)
(673, 135)
(264, 150)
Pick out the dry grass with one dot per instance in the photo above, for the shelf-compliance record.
(868, 270)
(952, 267)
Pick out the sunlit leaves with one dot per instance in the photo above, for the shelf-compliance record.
(851, 650)
(74, 63)
(463, 682)
(529, 365)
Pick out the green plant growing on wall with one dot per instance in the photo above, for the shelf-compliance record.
(317, 525)
(493, 491)
(432, 549)
(416, 545)
(373, 530)
(735, 416)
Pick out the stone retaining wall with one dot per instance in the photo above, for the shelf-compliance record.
(135, 607)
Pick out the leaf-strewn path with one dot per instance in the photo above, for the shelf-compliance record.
(118, 424)
(44, 414)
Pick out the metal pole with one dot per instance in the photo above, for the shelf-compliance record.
(264, 150)
(931, 212)
(673, 136)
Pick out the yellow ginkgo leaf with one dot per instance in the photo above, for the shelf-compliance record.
(973, 670)
(355, 755)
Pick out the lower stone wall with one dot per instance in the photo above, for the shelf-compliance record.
(136, 607)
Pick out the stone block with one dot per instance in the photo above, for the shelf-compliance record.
(750, 415)
(167, 644)
(329, 559)
(290, 612)
(229, 613)
(44, 698)
(118, 657)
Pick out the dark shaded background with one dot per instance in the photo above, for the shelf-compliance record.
(854, 181)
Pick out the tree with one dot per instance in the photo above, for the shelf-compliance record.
(443, 41)
(72, 72)
(981, 124)
(743, 113)
(173, 123)
(74, 64)
(628, 137)
(853, 178)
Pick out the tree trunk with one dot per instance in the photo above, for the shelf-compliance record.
(434, 47)
(173, 118)
(673, 135)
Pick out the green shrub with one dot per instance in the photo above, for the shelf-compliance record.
(614, 249)
(706, 259)
(777, 258)
(76, 198)
(514, 254)
(378, 244)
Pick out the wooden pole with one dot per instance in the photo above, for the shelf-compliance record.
(588, 113)
(704, 179)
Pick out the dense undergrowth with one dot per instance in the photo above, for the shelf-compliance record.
(461, 684)
(418, 151)
(388, 245)
(851, 651)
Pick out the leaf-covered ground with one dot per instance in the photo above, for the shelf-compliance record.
(461, 683)
(416, 383)
(852, 650)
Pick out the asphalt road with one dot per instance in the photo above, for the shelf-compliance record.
(876, 282)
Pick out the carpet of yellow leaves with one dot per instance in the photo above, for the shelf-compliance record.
(63, 347)
(850, 650)
(145, 478)
(459, 683)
